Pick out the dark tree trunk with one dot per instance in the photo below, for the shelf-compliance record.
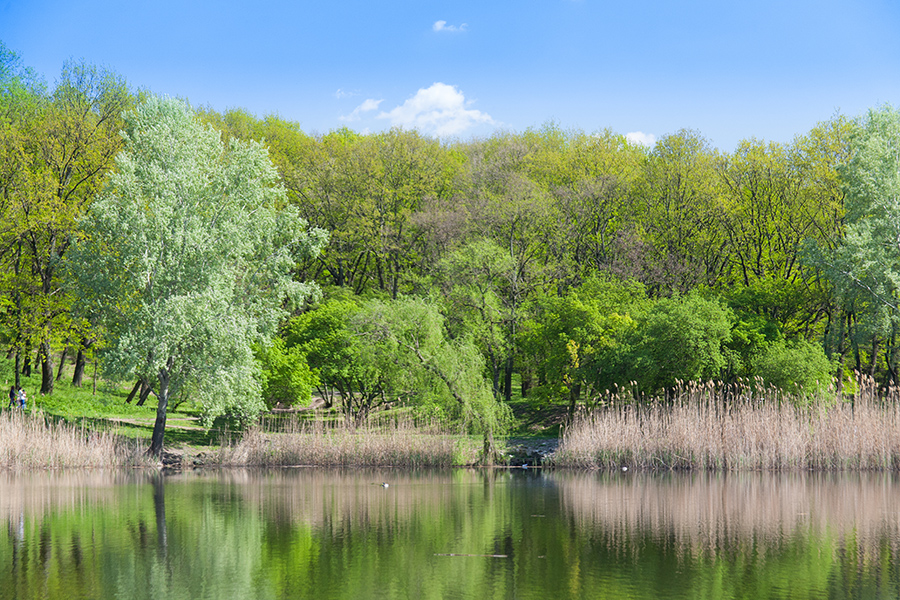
(159, 428)
(62, 360)
(507, 380)
(134, 391)
(26, 366)
(46, 369)
(18, 370)
(80, 362)
(574, 395)
(145, 393)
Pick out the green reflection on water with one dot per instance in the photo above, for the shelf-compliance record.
(309, 533)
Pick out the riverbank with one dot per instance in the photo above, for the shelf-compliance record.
(705, 427)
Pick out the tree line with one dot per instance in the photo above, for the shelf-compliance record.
(562, 262)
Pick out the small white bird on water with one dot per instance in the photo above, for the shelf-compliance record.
(385, 484)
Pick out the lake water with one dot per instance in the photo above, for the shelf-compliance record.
(310, 533)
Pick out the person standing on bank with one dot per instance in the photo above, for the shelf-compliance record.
(13, 397)
(22, 398)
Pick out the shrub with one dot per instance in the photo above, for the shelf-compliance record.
(798, 368)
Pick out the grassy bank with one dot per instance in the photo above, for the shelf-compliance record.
(401, 443)
(32, 441)
(712, 427)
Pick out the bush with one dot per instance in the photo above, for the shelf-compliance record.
(682, 339)
(287, 378)
(798, 368)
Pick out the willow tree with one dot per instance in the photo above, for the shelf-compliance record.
(405, 342)
(865, 265)
(186, 260)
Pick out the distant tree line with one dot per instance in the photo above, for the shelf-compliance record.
(563, 262)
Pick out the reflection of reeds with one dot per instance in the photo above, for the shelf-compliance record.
(401, 443)
(32, 442)
(707, 514)
(714, 427)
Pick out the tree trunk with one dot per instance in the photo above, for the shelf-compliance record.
(46, 369)
(80, 362)
(26, 366)
(145, 393)
(526, 382)
(159, 428)
(18, 370)
(507, 380)
(134, 391)
(574, 395)
(62, 361)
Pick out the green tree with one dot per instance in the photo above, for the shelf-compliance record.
(864, 264)
(682, 339)
(407, 339)
(580, 343)
(679, 215)
(57, 150)
(286, 376)
(186, 259)
(474, 280)
(800, 368)
(344, 371)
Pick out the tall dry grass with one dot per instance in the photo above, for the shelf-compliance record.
(722, 428)
(29, 441)
(401, 443)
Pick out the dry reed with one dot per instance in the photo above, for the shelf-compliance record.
(722, 428)
(399, 443)
(29, 441)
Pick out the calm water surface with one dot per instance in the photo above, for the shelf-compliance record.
(306, 533)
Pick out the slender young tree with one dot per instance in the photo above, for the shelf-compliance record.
(186, 260)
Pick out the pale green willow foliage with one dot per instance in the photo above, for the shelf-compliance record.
(186, 258)
(868, 260)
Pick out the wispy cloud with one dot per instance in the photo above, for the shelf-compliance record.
(367, 106)
(439, 110)
(443, 26)
(340, 93)
(639, 137)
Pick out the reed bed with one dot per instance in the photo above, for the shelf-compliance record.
(713, 427)
(401, 443)
(30, 441)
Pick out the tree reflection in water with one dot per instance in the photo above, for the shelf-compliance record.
(309, 533)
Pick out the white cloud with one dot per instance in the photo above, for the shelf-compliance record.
(367, 106)
(442, 26)
(439, 109)
(639, 137)
(343, 94)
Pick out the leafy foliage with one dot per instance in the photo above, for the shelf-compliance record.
(186, 260)
(682, 339)
(799, 368)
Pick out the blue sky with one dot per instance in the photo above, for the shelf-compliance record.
(730, 70)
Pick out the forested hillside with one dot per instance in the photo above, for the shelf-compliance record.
(551, 263)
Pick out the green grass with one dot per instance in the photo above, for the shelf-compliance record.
(106, 409)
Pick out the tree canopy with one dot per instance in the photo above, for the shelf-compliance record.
(185, 259)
